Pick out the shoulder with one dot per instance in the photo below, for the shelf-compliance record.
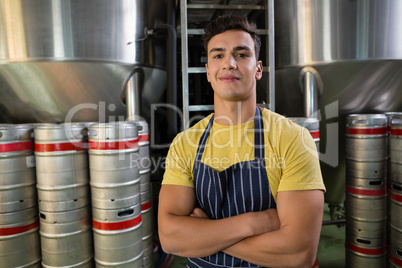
(277, 125)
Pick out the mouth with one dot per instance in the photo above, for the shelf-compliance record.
(228, 78)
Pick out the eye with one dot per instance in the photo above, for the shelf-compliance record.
(242, 55)
(217, 56)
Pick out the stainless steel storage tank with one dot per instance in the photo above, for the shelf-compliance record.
(67, 59)
(352, 49)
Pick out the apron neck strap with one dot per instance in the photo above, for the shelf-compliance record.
(258, 136)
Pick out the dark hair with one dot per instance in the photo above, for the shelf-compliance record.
(231, 22)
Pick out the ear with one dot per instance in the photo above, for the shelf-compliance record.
(206, 67)
(258, 73)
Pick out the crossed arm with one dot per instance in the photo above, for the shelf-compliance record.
(284, 237)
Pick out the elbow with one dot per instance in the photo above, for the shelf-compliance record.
(170, 244)
(305, 259)
(166, 243)
(165, 246)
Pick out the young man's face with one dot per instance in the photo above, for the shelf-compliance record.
(232, 68)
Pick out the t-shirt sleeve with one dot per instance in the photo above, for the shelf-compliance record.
(301, 169)
(178, 163)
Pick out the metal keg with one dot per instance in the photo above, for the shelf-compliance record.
(115, 190)
(365, 253)
(395, 257)
(312, 125)
(118, 236)
(396, 149)
(111, 149)
(19, 235)
(147, 227)
(146, 197)
(390, 116)
(61, 167)
(396, 205)
(114, 195)
(19, 232)
(396, 236)
(64, 195)
(366, 200)
(115, 179)
(66, 238)
(366, 229)
(366, 137)
(17, 169)
(366, 169)
(143, 142)
(396, 215)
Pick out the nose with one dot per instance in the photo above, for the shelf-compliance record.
(230, 63)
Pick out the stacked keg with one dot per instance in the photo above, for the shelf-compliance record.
(115, 192)
(312, 125)
(366, 190)
(144, 163)
(63, 194)
(19, 224)
(395, 147)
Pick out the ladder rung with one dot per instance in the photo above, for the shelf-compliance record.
(195, 108)
(217, 6)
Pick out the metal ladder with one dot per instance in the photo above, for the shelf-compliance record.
(211, 6)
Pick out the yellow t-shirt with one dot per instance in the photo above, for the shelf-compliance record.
(290, 153)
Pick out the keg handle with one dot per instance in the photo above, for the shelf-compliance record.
(125, 213)
(363, 241)
(393, 121)
(360, 122)
(92, 132)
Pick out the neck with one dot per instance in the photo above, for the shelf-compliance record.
(234, 112)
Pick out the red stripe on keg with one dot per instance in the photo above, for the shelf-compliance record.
(59, 147)
(112, 226)
(113, 145)
(18, 146)
(367, 251)
(146, 206)
(315, 134)
(378, 192)
(396, 197)
(366, 131)
(143, 138)
(396, 132)
(395, 259)
(18, 229)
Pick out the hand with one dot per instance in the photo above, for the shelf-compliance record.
(199, 213)
(264, 221)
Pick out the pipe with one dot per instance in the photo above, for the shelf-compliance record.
(333, 222)
(311, 86)
(132, 85)
(131, 89)
(310, 94)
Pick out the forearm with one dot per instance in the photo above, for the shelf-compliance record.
(295, 243)
(199, 237)
(276, 249)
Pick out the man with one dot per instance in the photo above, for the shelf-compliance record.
(241, 187)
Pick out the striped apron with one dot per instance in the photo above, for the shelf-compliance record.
(241, 188)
